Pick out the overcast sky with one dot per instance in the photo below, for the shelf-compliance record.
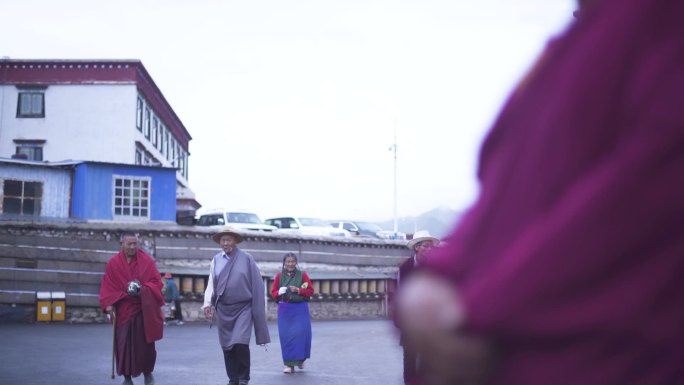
(292, 105)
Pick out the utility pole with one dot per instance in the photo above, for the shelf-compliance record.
(393, 148)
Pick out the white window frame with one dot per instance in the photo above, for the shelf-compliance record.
(128, 199)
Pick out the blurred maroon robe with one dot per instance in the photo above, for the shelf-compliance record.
(572, 257)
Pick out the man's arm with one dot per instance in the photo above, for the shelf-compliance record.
(110, 291)
(258, 305)
(209, 290)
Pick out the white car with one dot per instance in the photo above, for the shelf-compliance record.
(241, 220)
(366, 229)
(309, 226)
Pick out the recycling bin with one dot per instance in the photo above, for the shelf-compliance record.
(58, 305)
(43, 306)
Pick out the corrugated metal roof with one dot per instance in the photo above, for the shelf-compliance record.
(70, 163)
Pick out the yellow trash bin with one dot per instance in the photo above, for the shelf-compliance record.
(58, 306)
(43, 306)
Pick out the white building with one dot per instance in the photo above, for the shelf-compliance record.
(93, 110)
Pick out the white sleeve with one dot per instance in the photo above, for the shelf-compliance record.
(209, 290)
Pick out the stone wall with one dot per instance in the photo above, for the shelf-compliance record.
(351, 276)
(319, 310)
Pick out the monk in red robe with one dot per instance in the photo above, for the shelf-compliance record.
(568, 268)
(132, 288)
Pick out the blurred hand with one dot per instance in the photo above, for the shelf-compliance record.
(431, 315)
(108, 311)
(208, 312)
(282, 290)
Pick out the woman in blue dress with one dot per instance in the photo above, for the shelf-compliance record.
(292, 289)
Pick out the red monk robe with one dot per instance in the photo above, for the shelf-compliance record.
(138, 318)
(572, 258)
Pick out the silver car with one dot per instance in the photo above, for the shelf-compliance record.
(306, 225)
(242, 220)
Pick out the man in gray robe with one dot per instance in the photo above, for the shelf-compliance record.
(235, 294)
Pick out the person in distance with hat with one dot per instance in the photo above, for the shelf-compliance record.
(420, 245)
(235, 294)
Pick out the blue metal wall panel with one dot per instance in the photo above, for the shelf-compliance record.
(94, 183)
(93, 189)
(78, 192)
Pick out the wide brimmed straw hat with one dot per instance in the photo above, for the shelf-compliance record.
(420, 236)
(227, 231)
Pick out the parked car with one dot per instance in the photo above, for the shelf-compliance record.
(243, 220)
(366, 229)
(305, 225)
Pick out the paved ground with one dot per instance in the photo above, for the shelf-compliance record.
(343, 352)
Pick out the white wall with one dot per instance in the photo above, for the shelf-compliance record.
(56, 187)
(82, 122)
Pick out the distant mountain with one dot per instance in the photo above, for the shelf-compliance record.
(438, 222)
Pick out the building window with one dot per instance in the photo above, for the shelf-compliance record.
(169, 138)
(146, 123)
(30, 152)
(139, 154)
(31, 104)
(155, 131)
(131, 197)
(163, 135)
(21, 197)
(139, 114)
(172, 153)
(181, 163)
(29, 149)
